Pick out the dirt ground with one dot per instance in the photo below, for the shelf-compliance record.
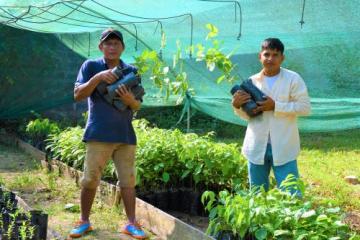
(353, 219)
(44, 191)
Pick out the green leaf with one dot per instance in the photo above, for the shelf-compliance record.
(309, 214)
(198, 169)
(282, 233)
(213, 31)
(185, 174)
(207, 195)
(321, 218)
(240, 218)
(220, 79)
(213, 213)
(165, 177)
(158, 166)
(302, 236)
(261, 234)
(333, 210)
(339, 224)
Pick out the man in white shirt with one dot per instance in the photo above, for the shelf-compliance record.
(272, 138)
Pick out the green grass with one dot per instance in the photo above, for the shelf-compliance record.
(326, 159)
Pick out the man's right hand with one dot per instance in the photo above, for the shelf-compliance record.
(85, 90)
(239, 98)
(106, 76)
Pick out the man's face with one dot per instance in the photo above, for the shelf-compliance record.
(111, 48)
(271, 59)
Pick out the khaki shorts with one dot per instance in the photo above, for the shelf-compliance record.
(97, 155)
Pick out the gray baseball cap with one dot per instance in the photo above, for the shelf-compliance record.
(112, 33)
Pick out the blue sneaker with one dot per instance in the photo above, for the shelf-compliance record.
(134, 230)
(80, 229)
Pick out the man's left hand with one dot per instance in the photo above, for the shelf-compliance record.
(125, 95)
(267, 105)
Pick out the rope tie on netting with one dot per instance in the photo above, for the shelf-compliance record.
(236, 5)
(302, 14)
(89, 39)
(240, 22)
(159, 23)
(186, 110)
(136, 37)
(73, 41)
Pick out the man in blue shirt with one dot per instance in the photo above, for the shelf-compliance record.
(109, 132)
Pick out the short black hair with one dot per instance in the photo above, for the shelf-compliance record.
(273, 44)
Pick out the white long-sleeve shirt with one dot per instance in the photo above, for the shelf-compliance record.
(291, 100)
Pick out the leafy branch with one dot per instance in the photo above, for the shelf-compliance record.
(173, 79)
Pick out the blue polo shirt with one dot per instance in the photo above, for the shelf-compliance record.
(105, 123)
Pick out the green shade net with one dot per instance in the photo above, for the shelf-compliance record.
(321, 40)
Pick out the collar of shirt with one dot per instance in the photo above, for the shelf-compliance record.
(258, 80)
(106, 66)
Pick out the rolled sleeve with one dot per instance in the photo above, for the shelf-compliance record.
(241, 113)
(84, 74)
